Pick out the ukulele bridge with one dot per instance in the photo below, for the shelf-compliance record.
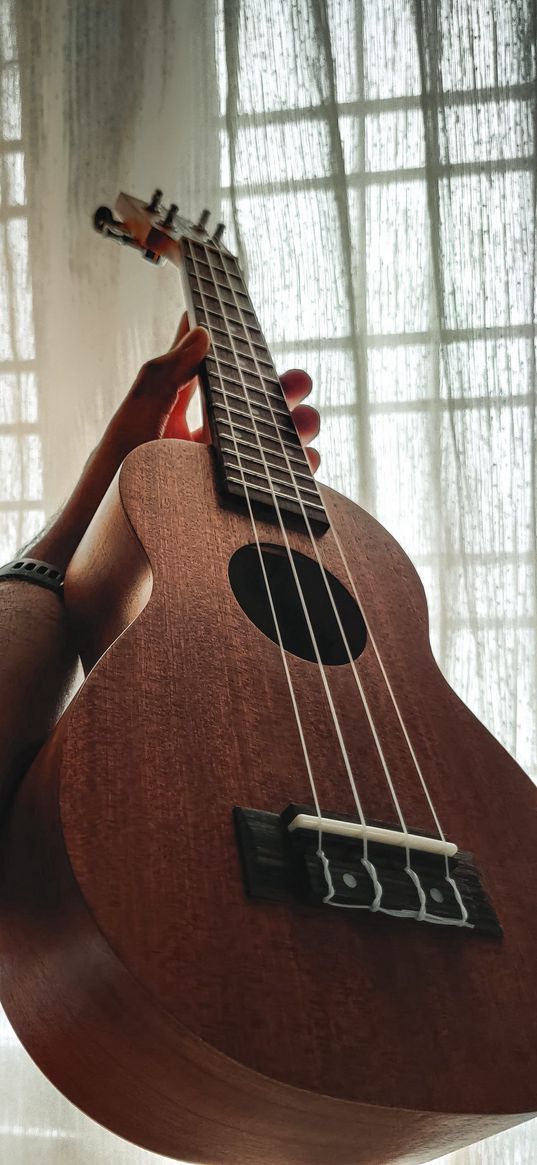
(334, 861)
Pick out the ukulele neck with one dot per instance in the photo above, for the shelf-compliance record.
(259, 452)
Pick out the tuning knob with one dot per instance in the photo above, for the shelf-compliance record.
(203, 220)
(154, 206)
(219, 232)
(103, 218)
(169, 221)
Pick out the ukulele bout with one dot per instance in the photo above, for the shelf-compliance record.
(266, 892)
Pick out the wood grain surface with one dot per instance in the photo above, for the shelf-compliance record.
(144, 982)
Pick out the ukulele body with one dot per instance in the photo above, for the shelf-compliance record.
(170, 1006)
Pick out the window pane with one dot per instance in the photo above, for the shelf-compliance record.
(18, 398)
(486, 44)
(391, 65)
(399, 374)
(494, 446)
(298, 293)
(486, 131)
(331, 370)
(398, 247)
(394, 140)
(486, 251)
(486, 368)
(402, 446)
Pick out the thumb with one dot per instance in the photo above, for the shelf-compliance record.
(164, 375)
(182, 330)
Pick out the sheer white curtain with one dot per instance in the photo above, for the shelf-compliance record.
(375, 163)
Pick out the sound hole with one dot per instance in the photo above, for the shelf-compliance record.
(249, 588)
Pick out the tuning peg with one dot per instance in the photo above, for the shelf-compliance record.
(103, 219)
(203, 220)
(219, 232)
(169, 221)
(112, 228)
(154, 206)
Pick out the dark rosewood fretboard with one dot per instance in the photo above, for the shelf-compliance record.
(254, 434)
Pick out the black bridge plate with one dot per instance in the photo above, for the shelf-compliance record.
(280, 866)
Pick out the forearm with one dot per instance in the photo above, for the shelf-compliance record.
(39, 664)
(38, 673)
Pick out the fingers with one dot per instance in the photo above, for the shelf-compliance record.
(296, 385)
(307, 421)
(176, 424)
(314, 458)
(165, 374)
(191, 348)
(183, 329)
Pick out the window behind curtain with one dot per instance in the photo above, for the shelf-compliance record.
(417, 330)
(21, 513)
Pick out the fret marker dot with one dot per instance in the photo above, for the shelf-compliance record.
(350, 881)
(436, 895)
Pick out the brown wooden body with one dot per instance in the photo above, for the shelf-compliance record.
(146, 985)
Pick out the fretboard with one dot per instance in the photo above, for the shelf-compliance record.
(260, 454)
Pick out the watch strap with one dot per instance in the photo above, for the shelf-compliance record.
(33, 570)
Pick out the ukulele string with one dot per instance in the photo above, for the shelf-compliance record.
(403, 726)
(328, 693)
(369, 865)
(422, 912)
(294, 702)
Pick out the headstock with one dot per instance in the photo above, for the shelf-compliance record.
(154, 231)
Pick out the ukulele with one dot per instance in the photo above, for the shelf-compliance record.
(266, 892)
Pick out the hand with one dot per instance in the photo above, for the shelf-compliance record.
(295, 383)
(155, 407)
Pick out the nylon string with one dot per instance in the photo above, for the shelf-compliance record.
(420, 914)
(288, 549)
(294, 703)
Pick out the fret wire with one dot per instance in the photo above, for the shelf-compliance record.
(256, 338)
(230, 317)
(248, 457)
(264, 420)
(240, 413)
(231, 272)
(242, 427)
(277, 438)
(224, 350)
(243, 344)
(279, 495)
(256, 388)
(254, 334)
(272, 452)
(240, 294)
(256, 361)
(282, 413)
(278, 480)
(259, 404)
(283, 442)
(233, 438)
(261, 387)
(212, 322)
(205, 271)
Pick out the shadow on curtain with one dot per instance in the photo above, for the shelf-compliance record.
(376, 166)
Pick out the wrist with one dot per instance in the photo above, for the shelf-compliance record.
(59, 541)
(55, 545)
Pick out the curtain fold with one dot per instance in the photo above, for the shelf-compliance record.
(112, 98)
(375, 164)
